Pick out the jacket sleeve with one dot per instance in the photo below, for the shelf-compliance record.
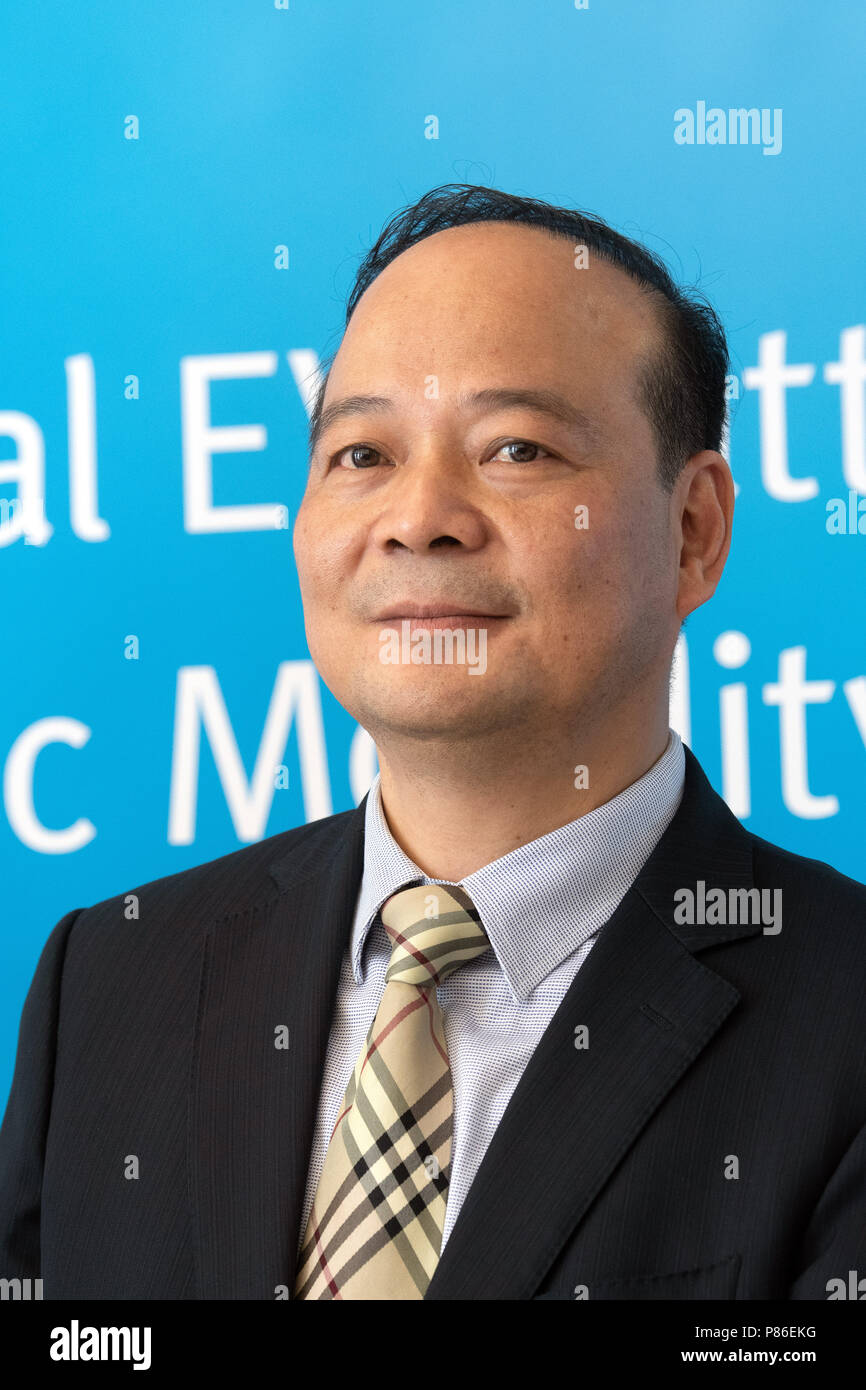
(25, 1125)
(835, 1244)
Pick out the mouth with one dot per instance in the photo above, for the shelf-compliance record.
(439, 615)
(446, 620)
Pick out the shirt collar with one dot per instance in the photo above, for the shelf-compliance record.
(543, 900)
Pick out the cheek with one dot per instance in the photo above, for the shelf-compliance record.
(570, 555)
(301, 542)
(624, 547)
(587, 585)
(319, 554)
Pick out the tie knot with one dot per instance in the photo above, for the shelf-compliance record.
(434, 929)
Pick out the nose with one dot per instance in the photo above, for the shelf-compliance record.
(430, 502)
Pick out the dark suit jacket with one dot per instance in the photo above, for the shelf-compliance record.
(611, 1173)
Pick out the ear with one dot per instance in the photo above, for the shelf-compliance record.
(703, 511)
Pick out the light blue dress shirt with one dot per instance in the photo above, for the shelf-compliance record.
(542, 906)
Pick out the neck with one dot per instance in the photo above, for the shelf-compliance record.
(460, 806)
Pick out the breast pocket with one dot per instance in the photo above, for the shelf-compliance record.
(716, 1280)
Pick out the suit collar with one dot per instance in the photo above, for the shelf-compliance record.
(704, 840)
(704, 843)
(541, 901)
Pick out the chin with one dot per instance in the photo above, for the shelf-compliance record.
(423, 714)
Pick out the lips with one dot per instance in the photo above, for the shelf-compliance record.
(445, 609)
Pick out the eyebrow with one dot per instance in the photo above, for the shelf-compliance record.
(542, 401)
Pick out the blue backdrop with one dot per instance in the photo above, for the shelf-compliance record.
(187, 190)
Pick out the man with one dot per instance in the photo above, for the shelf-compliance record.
(481, 1038)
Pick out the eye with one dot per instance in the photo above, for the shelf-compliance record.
(522, 444)
(357, 457)
(357, 463)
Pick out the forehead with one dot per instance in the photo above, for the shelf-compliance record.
(505, 297)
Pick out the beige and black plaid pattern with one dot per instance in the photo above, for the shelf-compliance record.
(375, 1228)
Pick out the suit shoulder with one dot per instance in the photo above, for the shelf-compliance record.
(818, 902)
(814, 879)
(233, 882)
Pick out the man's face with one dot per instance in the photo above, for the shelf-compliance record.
(442, 499)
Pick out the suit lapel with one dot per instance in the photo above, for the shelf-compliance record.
(650, 1008)
(254, 1106)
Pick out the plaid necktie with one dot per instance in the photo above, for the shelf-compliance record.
(375, 1228)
